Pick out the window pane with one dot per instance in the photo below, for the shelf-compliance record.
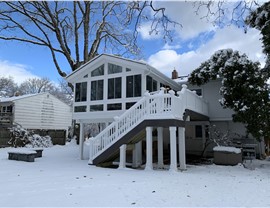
(93, 90)
(128, 69)
(78, 109)
(80, 92)
(154, 85)
(129, 105)
(137, 85)
(129, 86)
(100, 90)
(77, 92)
(110, 88)
(118, 87)
(198, 131)
(112, 69)
(84, 91)
(114, 106)
(98, 71)
(149, 83)
(96, 108)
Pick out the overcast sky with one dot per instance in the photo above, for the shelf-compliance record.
(192, 44)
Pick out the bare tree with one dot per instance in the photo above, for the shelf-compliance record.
(80, 30)
(225, 12)
(36, 85)
(7, 87)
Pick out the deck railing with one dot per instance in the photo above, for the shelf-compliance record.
(152, 106)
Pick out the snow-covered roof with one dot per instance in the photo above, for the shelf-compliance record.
(11, 99)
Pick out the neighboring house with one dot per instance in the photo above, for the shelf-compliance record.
(41, 111)
(144, 113)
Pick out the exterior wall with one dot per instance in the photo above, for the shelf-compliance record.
(42, 111)
(210, 92)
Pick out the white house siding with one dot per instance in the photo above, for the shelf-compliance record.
(42, 111)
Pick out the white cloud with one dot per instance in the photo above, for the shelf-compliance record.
(19, 72)
(144, 31)
(229, 37)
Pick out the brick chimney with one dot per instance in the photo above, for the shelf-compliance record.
(174, 74)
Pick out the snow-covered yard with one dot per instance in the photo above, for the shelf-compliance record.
(59, 178)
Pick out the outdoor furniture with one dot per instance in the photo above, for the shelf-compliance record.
(38, 152)
(227, 155)
(28, 156)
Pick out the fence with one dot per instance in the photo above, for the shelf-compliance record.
(58, 136)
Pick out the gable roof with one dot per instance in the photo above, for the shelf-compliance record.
(144, 65)
(15, 98)
(11, 99)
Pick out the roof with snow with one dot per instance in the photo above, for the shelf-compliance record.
(10, 99)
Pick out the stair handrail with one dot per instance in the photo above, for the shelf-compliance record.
(151, 106)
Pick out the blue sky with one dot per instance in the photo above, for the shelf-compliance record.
(192, 44)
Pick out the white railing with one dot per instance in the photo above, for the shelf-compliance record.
(151, 106)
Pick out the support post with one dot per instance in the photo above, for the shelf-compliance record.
(160, 147)
(81, 140)
(122, 162)
(182, 148)
(137, 155)
(149, 149)
(173, 166)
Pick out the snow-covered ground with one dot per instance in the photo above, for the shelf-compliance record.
(59, 178)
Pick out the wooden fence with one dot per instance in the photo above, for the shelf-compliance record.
(58, 136)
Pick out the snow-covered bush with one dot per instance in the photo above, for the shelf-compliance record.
(244, 88)
(22, 137)
(39, 141)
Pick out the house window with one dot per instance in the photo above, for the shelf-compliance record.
(114, 88)
(78, 109)
(151, 84)
(128, 69)
(129, 105)
(98, 71)
(80, 92)
(198, 91)
(133, 86)
(114, 106)
(97, 90)
(113, 69)
(198, 131)
(96, 108)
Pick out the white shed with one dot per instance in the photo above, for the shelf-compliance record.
(37, 111)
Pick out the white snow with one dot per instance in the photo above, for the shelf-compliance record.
(60, 179)
(227, 149)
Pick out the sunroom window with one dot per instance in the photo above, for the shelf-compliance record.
(151, 84)
(78, 109)
(133, 86)
(97, 90)
(115, 88)
(80, 92)
(114, 106)
(96, 108)
(98, 71)
(113, 69)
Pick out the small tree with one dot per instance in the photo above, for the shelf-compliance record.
(244, 88)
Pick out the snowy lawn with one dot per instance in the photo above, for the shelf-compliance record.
(59, 178)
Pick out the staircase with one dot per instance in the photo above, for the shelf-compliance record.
(156, 106)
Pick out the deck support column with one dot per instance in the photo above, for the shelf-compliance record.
(182, 148)
(122, 162)
(137, 155)
(149, 149)
(173, 166)
(81, 140)
(160, 147)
